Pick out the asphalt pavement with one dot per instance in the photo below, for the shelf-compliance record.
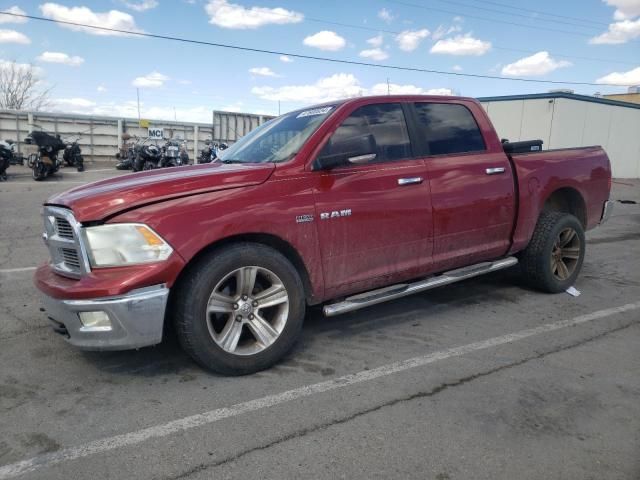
(486, 379)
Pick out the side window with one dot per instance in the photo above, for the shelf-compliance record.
(449, 128)
(385, 122)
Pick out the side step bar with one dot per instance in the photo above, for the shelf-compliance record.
(374, 297)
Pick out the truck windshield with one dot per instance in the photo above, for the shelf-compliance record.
(279, 139)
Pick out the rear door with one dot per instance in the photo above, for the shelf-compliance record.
(472, 189)
(373, 220)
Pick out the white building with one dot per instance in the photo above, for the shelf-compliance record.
(562, 119)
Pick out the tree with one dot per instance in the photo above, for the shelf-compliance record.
(21, 87)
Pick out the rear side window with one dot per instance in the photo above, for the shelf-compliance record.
(449, 128)
(385, 122)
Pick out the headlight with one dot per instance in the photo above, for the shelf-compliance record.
(124, 244)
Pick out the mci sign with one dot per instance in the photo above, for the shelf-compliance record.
(156, 133)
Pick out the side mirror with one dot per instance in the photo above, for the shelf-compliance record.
(353, 150)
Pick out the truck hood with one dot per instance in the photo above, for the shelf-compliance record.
(99, 200)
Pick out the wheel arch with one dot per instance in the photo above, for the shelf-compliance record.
(269, 240)
(567, 200)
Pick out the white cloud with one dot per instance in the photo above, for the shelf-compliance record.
(539, 63)
(374, 54)
(456, 68)
(60, 57)
(66, 103)
(11, 36)
(112, 19)
(21, 67)
(231, 15)
(262, 72)
(129, 109)
(11, 19)
(337, 86)
(140, 6)
(630, 78)
(286, 59)
(101, 89)
(625, 9)
(376, 41)
(443, 31)
(386, 15)
(408, 40)
(396, 89)
(461, 45)
(619, 32)
(152, 80)
(185, 82)
(325, 40)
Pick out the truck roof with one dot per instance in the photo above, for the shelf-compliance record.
(397, 98)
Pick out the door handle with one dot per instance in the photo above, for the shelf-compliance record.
(494, 170)
(409, 181)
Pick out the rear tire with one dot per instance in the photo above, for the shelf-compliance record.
(234, 322)
(553, 259)
(39, 171)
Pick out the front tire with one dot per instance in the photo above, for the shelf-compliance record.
(239, 309)
(553, 259)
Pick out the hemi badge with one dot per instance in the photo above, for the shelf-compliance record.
(304, 218)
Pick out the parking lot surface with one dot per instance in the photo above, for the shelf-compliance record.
(482, 379)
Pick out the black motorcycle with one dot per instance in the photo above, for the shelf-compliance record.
(72, 155)
(45, 162)
(128, 152)
(148, 157)
(174, 154)
(5, 159)
(211, 151)
(16, 158)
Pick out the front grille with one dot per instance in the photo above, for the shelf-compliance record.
(64, 245)
(64, 228)
(71, 259)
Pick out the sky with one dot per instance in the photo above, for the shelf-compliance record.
(101, 73)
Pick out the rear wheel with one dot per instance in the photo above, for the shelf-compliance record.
(553, 259)
(39, 171)
(240, 309)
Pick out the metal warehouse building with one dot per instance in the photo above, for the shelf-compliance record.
(564, 120)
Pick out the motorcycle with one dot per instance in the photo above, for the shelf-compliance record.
(211, 151)
(148, 157)
(5, 159)
(174, 153)
(16, 158)
(45, 162)
(72, 155)
(128, 152)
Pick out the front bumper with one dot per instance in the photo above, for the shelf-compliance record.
(137, 319)
(606, 211)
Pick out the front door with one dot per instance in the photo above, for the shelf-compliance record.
(374, 219)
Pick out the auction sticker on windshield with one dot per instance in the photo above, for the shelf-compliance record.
(314, 111)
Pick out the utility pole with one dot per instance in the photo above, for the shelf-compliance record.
(388, 87)
(138, 96)
(175, 115)
(278, 107)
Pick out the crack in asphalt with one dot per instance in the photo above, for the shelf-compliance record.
(425, 394)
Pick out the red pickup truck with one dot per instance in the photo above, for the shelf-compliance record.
(349, 204)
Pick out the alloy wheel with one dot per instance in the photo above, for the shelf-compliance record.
(565, 254)
(247, 310)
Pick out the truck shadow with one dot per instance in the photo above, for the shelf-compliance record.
(167, 358)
